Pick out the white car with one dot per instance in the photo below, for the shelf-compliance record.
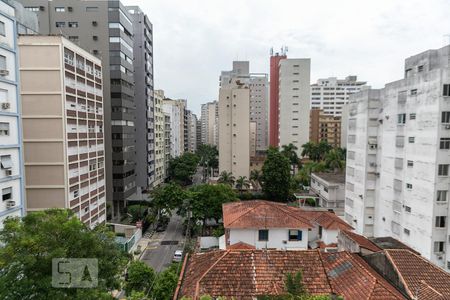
(178, 256)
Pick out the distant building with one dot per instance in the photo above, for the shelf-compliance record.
(13, 20)
(330, 188)
(331, 94)
(210, 123)
(167, 143)
(274, 117)
(63, 140)
(159, 138)
(175, 110)
(192, 132)
(325, 128)
(398, 174)
(199, 133)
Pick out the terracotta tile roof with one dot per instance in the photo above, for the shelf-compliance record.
(240, 246)
(261, 214)
(418, 274)
(326, 219)
(245, 274)
(351, 277)
(362, 241)
(389, 242)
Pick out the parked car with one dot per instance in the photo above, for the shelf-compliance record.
(178, 256)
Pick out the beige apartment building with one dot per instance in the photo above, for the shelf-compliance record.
(159, 138)
(324, 127)
(62, 109)
(234, 128)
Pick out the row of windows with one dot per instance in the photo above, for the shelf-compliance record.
(293, 235)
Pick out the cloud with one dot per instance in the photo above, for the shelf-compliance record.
(195, 40)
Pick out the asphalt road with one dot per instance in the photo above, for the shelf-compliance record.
(162, 245)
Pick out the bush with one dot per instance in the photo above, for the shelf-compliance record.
(311, 202)
(218, 232)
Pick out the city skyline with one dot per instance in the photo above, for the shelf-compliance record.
(387, 31)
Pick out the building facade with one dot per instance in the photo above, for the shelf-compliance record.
(11, 152)
(234, 121)
(176, 117)
(144, 99)
(209, 123)
(330, 94)
(63, 140)
(259, 98)
(397, 160)
(294, 102)
(167, 143)
(324, 127)
(330, 190)
(192, 132)
(105, 29)
(274, 97)
(159, 138)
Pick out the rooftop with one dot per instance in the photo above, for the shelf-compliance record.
(245, 274)
(362, 241)
(334, 178)
(390, 243)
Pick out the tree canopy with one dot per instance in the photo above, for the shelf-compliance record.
(276, 179)
(169, 196)
(226, 178)
(182, 168)
(30, 244)
(140, 277)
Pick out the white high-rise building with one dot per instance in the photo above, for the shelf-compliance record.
(209, 119)
(159, 138)
(173, 110)
(259, 98)
(398, 158)
(294, 101)
(330, 94)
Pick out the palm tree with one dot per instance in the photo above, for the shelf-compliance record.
(335, 160)
(256, 175)
(226, 178)
(311, 150)
(323, 148)
(290, 152)
(242, 184)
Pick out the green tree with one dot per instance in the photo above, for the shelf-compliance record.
(166, 283)
(226, 178)
(206, 200)
(294, 284)
(276, 179)
(255, 175)
(311, 150)
(140, 277)
(137, 212)
(290, 151)
(242, 183)
(183, 167)
(334, 160)
(30, 244)
(208, 156)
(323, 148)
(168, 197)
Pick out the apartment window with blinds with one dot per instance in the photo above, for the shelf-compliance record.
(444, 144)
(445, 117)
(401, 118)
(443, 170)
(2, 62)
(439, 247)
(412, 116)
(446, 91)
(4, 129)
(263, 235)
(7, 193)
(6, 162)
(2, 29)
(441, 196)
(440, 221)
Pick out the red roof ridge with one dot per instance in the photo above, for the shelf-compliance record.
(431, 288)
(351, 235)
(241, 215)
(239, 244)
(323, 268)
(197, 285)
(290, 213)
(398, 272)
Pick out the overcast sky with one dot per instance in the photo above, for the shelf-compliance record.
(196, 39)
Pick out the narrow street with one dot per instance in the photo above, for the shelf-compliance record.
(162, 245)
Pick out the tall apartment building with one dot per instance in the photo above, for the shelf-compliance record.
(198, 128)
(62, 111)
(175, 111)
(159, 138)
(398, 162)
(331, 94)
(167, 143)
(323, 127)
(13, 20)
(143, 83)
(294, 102)
(259, 97)
(192, 132)
(209, 123)
(105, 29)
(234, 121)
(274, 120)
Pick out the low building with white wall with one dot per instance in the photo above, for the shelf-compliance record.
(330, 189)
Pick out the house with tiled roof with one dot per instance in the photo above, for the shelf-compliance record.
(355, 243)
(273, 225)
(411, 274)
(246, 274)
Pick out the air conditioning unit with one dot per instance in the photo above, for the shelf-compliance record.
(10, 203)
(6, 105)
(70, 8)
(447, 126)
(4, 72)
(372, 164)
(8, 172)
(284, 242)
(439, 257)
(41, 8)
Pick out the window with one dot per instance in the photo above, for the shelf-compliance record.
(445, 117)
(4, 128)
(444, 144)
(60, 9)
(263, 235)
(420, 68)
(440, 221)
(2, 29)
(76, 194)
(401, 118)
(295, 235)
(91, 8)
(411, 139)
(446, 91)
(7, 193)
(439, 247)
(32, 8)
(410, 163)
(441, 196)
(409, 186)
(407, 209)
(412, 116)
(73, 24)
(2, 62)
(414, 92)
(6, 162)
(443, 170)
(60, 24)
